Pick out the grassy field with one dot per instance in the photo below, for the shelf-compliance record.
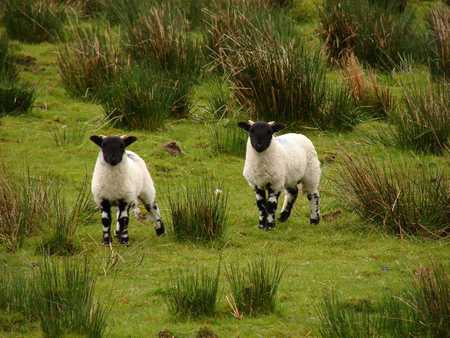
(344, 252)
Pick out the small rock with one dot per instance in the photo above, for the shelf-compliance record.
(173, 148)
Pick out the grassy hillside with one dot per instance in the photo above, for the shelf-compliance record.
(344, 252)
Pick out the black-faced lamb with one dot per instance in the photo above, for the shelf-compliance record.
(121, 179)
(280, 163)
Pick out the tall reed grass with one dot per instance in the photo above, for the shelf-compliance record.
(398, 197)
(439, 24)
(193, 294)
(33, 20)
(254, 287)
(199, 210)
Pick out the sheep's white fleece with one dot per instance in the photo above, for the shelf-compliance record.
(129, 180)
(290, 159)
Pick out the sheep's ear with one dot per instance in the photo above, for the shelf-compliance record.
(128, 139)
(276, 126)
(245, 125)
(97, 139)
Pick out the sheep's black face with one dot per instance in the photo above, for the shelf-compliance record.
(113, 147)
(260, 133)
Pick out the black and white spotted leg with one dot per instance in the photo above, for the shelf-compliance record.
(314, 204)
(271, 207)
(105, 207)
(153, 209)
(289, 200)
(123, 220)
(261, 204)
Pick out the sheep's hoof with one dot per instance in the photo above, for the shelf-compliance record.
(262, 226)
(160, 231)
(270, 226)
(106, 241)
(123, 241)
(284, 216)
(314, 220)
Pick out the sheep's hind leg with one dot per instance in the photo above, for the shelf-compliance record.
(123, 220)
(153, 209)
(289, 200)
(105, 207)
(271, 207)
(314, 204)
(261, 204)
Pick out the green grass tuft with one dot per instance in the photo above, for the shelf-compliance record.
(422, 124)
(33, 20)
(23, 206)
(193, 294)
(379, 35)
(254, 288)
(65, 302)
(398, 197)
(227, 138)
(64, 221)
(199, 210)
(89, 60)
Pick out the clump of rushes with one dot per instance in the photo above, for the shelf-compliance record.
(64, 299)
(15, 97)
(23, 206)
(370, 96)
(340, 112)
(140, 98)
(254, 288)
(64, 221)
(423, 122)
(88, 60)
(15, 294)
(193, 294)
(160, 37)
(398, 197)
(33, 20)
(421, 310)
(379, 35)
(226, 138)
(439, 23)
(199, 211)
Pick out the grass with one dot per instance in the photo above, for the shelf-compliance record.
(200, 218)
(193, 294)
(33, 21)
(254, 288)
(422, 124)
(421, 309)
(141, 98)
(398, 197)
(15, 97)
(226, 138)
(359, 261)
(379, 36)
(65, 300)
(89, 60)
(439, 22)
(23, 206)
(64, 221)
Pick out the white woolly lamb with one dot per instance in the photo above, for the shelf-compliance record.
(280, 163)
(121, 179)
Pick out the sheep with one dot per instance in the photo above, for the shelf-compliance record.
(121, 179)
(287, 162)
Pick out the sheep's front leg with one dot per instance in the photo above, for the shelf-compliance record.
(156, 215)
(261, 204)
(105, 207)
(289, 200)
(271, 207)
(123, 220)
